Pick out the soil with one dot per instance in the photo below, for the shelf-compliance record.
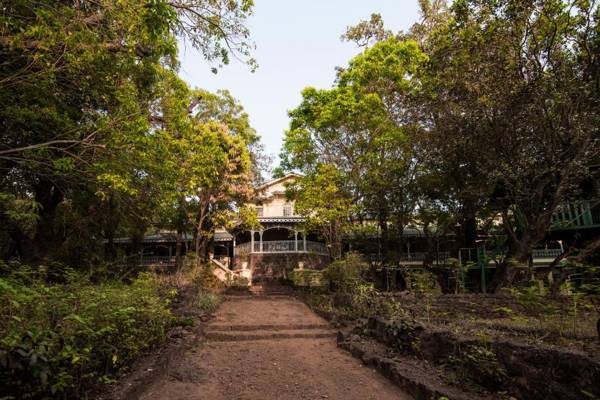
(259, 347)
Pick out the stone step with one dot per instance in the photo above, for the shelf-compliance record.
(258, 297)
(237, 336)
(266, 327)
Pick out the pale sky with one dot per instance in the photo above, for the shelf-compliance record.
(298, 45)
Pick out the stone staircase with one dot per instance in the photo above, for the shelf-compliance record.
(237, 333)
(281, 316)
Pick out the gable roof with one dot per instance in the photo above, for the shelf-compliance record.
(277, 180)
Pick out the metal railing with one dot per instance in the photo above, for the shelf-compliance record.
(546, 253)
(157, 260)
(421, 256)
(577, 214)
(281, 246)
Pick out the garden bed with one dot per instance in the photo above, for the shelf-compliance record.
(511, 344)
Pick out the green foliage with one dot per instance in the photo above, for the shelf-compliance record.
(59, 339)
(481, 365)
(98, 129)
(346, 275)
(422, 282)
(404, 332)
(321, 199)
(308, 278)
(207, 302)
(352, 144)
(204, 276)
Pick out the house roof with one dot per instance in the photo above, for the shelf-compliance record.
(277, 180)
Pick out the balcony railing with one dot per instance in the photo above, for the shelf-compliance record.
(281, 246)
(579, 214)
(421, 256)
(546, 253)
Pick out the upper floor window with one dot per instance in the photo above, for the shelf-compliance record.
(259, 211)
(287, 210)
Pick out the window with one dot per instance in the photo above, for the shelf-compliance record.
(287, 210)
(259, 211)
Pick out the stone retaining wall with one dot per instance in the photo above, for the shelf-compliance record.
(277, 266)
(524, 371)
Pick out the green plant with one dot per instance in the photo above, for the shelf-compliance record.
(346, 275)
(460, 270)
(204, 276)
(58, 339)
(481, 365)
(404, 332)
(424, 284)
(207, 301)
(307, 278)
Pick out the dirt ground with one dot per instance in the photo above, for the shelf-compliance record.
(267, 347)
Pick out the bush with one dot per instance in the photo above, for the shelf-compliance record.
(481, 365)
(207, 302)
(204, 276)
(58, 339)
(348, 274)
(307, 278)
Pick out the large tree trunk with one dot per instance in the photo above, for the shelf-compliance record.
(201, 238)
(506, 271)
(45, 240)
(178, 243)
(180, 225)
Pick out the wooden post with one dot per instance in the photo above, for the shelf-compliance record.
(304, 240)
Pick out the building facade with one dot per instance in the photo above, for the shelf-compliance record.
(281, 244)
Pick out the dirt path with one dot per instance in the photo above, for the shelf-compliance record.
(269, 348)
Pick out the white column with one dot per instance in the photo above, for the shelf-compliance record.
(304, 240)
(251, 241)
(296, 241)
(261, 246)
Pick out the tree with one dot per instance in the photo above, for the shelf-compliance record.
(320, 196)
(78, 83)
(361, 128)
(517, 77)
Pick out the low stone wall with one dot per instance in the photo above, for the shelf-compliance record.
(278, 266)
(524, 371)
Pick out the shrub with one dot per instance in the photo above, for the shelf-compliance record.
(421, 282)
(348, 274)
(58, 339)
(204, 276)
(207, 301)
(307, 278)
(481, 365)
(239, 282)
